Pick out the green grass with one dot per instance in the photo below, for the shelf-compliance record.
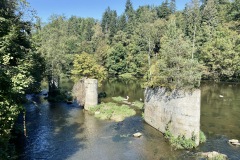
(180, 142)
(118, 99)
(112, 111)
(202, 137)
(138, 104)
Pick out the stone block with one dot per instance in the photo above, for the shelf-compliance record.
(86, 92)
(179, 110)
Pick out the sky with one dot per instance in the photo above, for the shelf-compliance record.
(88, 8)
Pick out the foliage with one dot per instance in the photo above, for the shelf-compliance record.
(138, 104)
(112, 111)
(116, 60)
(147, 41)
(180, 142)
(202, 137)
(109, 22)
(175, 68)
(220, 54)
(17, 66)
(118, 99)
(85, 66)
(126, 76)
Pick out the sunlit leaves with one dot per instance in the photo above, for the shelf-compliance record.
(85, 66)
(175, 68)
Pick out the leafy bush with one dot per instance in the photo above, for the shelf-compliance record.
(85, 65)
(180, 142)
(175, 68)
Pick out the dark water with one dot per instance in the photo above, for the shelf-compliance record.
(61, 131)
(220, 111)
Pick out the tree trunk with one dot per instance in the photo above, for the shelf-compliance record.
(53, 85)
(149, 57)
(194, 35)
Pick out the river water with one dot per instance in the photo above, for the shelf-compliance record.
(61, 131)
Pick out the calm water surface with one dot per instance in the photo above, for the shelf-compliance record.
(60, 131)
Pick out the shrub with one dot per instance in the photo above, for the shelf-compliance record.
(180, 142)
(202, 137)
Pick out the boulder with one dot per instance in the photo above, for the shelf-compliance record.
(233, 141)
(97, 112)
(236, 144)
(138, 134)
(212, 155)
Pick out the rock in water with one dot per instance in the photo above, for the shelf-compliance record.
(212, 155)
(236, 144)
(138, 134)
(97, 112)
(233, 141)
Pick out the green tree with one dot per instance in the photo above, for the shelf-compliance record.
(54, 47)
(109, 23)
(234, 15)
(172, 6)
(210, 14)
(175, 68)
(145, 14)
(234, 10)
(192, 19)
(220, 55)
(164, 10)
(129, 11)
(122, 22)
(17, 66)
(86, 66)
(116, 63)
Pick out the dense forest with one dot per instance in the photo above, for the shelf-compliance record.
(164, 46)
(159, 44)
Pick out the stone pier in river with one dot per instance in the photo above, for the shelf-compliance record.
(178, 110)
(86, 92)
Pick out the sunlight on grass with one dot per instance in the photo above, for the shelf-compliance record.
(112, 111)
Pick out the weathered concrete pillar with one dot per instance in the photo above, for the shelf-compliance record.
(178, 110)
(91, 90)
(86, 92)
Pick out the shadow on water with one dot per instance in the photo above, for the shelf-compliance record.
(50, 132)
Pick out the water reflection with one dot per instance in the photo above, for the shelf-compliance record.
(123, 88)
(220, 115)
(220, 109)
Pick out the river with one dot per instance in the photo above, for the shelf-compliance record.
(59, 131)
